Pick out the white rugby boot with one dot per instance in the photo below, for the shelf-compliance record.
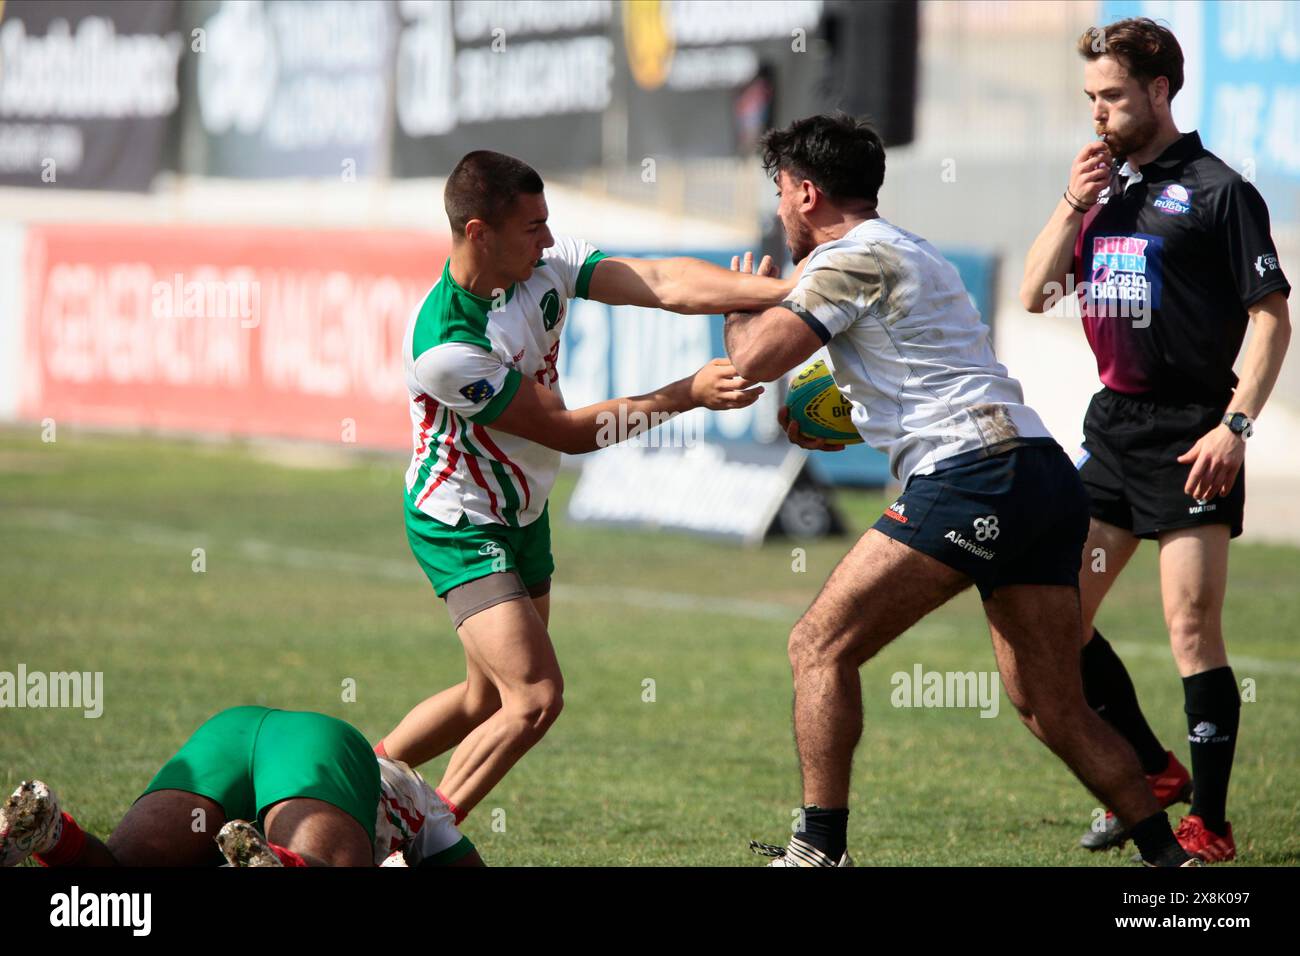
(30, 822)
(797, 853)
(242, 845)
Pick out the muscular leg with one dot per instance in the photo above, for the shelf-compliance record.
(1105, 554)
(543, 606)
(440, 722)
(509, 641)
(1034, 630)
(319, 832)
(880, 589)
(168, 828)
(1193, 581)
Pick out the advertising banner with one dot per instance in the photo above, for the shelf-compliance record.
(298, 334)
(1241, 86)
(278, 88)
(705, 79)
(86, 91)
(272, 332)
(529, 79)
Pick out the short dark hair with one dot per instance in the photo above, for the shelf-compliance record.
(484, 185)
(1145, 48)
(841, 155)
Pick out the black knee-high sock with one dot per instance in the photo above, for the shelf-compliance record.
(1213, 708)
(1109, 691)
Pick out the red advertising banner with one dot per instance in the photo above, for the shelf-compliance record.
(243, 331)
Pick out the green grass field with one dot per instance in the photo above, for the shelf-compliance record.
(309, 582)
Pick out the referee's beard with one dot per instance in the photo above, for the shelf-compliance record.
(1137, 136)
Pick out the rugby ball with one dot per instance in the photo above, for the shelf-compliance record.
(820, 410)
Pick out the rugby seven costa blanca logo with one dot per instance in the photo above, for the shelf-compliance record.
(550, 309)
(1174, 201)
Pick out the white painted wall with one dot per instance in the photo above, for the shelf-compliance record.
(11, 317)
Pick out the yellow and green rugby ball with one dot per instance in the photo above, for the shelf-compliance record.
(819, 408)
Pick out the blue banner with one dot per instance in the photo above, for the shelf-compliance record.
(1241, 86)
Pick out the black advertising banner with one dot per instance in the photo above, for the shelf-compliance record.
(86, 90)
(533, 79)
(704, 78)
(873, 63)
(277, 88)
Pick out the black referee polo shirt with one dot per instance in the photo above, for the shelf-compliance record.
(1166, 264)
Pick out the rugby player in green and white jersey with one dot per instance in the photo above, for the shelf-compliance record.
(489, 427)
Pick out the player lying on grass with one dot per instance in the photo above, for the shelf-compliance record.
(989, 498)
(489, 425)
(310, 782)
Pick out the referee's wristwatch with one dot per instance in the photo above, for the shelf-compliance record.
(1239, 424)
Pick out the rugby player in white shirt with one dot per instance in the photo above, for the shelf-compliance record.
(989, 498)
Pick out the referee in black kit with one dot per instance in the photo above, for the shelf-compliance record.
(1170, 254)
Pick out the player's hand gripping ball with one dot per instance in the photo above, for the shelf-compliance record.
(819, 409)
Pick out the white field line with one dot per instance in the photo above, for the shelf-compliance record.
(1242, 665)
(265, 552)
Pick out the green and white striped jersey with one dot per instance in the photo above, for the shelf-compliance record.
(464, 361)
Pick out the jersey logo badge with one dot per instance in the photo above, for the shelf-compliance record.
(897, 511)
(1174, 201)
(551, 309)
(1125, 278)
(479, 391)
(1265, 262)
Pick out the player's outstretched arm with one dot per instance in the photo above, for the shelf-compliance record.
(765, 345)
(688, 286)
(538, 414)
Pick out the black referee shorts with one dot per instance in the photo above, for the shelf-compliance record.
(1131, 470)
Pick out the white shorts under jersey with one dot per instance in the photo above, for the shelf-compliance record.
(410, 818)
(908, 350)
(464, 358)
